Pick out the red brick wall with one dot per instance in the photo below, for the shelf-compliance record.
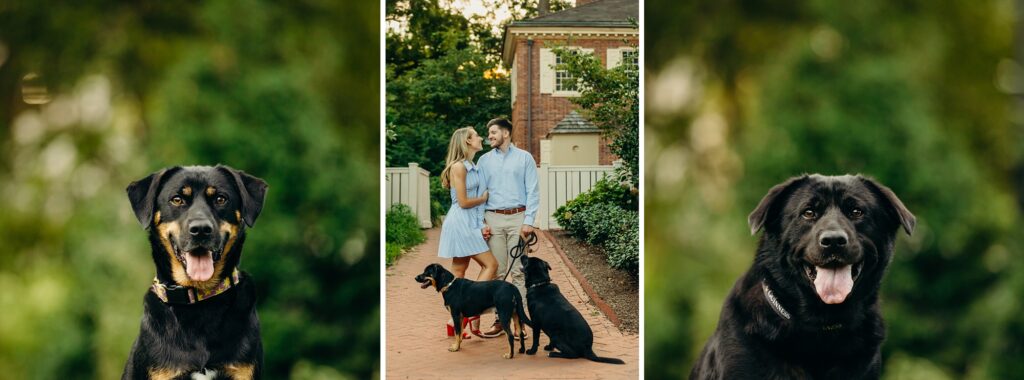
(549, 110)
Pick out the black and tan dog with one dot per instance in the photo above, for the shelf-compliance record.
(808, 306)
(551, 313)
(466, 298)
(199, 316)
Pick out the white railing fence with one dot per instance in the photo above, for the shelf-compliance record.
(558, 185)
(410, 186)
(561, 184)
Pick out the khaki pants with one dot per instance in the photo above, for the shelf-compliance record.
(504, 236)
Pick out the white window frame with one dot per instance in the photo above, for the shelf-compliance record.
(616, 56)
(563, 82)
(553, 74)
(636, 58)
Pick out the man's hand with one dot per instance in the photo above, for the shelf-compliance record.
(486, 231)
(525, 231)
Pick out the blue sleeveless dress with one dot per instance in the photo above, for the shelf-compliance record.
(461, 232)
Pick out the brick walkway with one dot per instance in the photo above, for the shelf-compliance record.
(417, 347)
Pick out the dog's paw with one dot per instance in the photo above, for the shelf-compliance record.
(453, 348)
(522, 350)
(548, 347)
(532, 351)
(506, 356)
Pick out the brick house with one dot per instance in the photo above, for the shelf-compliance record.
(540, 94)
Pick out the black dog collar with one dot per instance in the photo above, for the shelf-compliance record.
(777, 306)
(445, 288)
(181, 295)
(539, 284)
(774, 302)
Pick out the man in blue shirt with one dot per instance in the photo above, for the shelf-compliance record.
(510, 175)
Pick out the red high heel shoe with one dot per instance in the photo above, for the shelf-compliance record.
(469, 323)
(465, 332)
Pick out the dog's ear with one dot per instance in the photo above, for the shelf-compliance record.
(906, 219)
(759, 216)
(442, 277)
(142, 195)
(546, 265)
(252, 190)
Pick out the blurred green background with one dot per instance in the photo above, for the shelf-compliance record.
(96, 94)
(923, 95)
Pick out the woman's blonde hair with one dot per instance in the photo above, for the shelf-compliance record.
(458, 151)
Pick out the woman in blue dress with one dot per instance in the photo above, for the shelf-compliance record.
(462, 234)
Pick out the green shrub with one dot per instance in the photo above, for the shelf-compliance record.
(602, 221)
(617, 231)
(623, 249)
(440, 199)
(402, 228)
(392, 251)
(606, 216)
(606, 191)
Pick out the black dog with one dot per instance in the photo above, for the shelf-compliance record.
(200, 314)
(808, 306)
(466, 298)
(551, 313)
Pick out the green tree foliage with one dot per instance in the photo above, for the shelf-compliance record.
(285, 92)
(440, 77)
(427, 30)
(441, 95)
(610, 98)
(443, 74)
(899, 91)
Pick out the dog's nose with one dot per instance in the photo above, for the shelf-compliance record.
(832, 239)
(200, 228)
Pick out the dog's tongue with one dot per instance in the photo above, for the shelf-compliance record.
(833, 285)
(199, 267)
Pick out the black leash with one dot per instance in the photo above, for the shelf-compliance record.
(519, 250)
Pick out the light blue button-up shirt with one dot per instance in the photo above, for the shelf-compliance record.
(511, 179)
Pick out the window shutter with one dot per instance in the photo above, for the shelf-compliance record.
(614, 57)
(547, 72)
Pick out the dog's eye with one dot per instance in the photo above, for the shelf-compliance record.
(809, 214)
(857, 213)
(221, 200)
(177, 201)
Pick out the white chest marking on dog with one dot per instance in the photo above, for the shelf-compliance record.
(207, 374)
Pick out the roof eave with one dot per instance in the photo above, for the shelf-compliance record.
(508, 38)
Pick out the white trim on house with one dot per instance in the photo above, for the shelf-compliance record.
(515, 81)
(511, 34)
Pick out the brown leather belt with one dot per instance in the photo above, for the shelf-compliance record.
(509, 211)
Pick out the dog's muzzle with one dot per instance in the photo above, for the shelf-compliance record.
(425, 281)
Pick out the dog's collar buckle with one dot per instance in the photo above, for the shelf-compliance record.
(774, 302)
(445, 288)
(182, 295)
